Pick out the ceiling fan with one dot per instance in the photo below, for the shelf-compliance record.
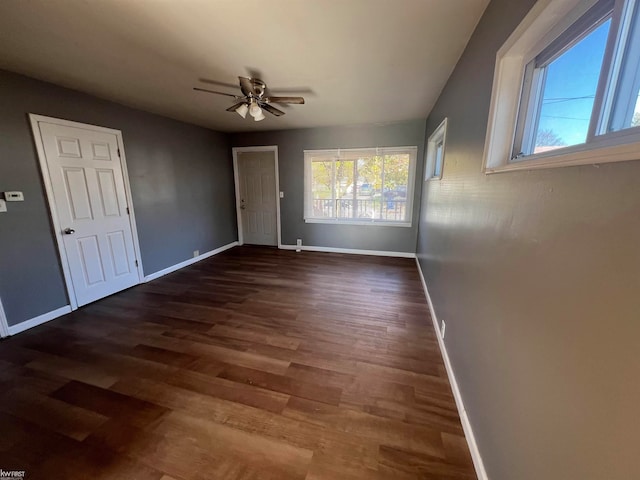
(254, 99)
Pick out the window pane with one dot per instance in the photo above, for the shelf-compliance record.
(396, 180)
(368, 198)
(626, 108)
(321, 179)
(635, 118)
(568, 92)
(344, 188)
(437, 169)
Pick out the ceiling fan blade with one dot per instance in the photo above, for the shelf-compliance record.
(246, 85)
(218, 83)
(272, 110)
(294, 100)
(217, 93)
(293, 90)
(233, 108)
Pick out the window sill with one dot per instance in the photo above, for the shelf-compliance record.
(379, 223)
(572, 156)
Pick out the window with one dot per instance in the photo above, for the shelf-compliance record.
(435, 152)
(360, 186)
(567, 92)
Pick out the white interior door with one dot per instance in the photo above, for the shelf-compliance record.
(258, 197)
(87, 182)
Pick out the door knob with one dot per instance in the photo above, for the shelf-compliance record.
(69, 231)
(242, 207)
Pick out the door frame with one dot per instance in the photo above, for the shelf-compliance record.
(236, 180)
(35, 120)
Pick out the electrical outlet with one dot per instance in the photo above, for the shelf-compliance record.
(3, 206)
(281, 194)
(14, 196)
(442, 329)
(299, 242)
(196, 253)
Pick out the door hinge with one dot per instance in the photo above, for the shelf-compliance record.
(128, 212)
(119, 156)
(136, 263)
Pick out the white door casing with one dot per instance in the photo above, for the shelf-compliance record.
(89, 198)
(257, 195)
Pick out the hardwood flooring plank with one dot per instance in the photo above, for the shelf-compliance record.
(384, 430)
(283, 384)
(252, 336)
(321, 376)
(220, 387)
(55, 415)
(254, 420)
(238, 449)
(423, 465)
(126, 409)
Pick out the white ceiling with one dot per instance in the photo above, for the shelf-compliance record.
(365, 61)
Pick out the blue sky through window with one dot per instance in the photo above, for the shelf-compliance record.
(570, 88)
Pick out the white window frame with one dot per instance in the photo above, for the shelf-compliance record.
(412, 151)
(438, 137)
(546, 21)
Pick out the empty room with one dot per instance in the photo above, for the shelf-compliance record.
(319, 239)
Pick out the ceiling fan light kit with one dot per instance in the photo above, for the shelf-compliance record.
(242, 110)
(253, 99)
(255, 111)
(259, 116)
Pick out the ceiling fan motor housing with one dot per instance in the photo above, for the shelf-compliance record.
(259, 87)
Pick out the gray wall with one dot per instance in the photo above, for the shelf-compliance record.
(537, 275)
(181, 180)
(291, 145)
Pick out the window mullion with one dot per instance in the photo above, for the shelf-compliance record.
(382, 198)
(623, 87)
(533, 117)
(333, 189)
(526, 99)
(355, 189)
(602, 105)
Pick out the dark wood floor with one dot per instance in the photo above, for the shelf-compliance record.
(254, 364)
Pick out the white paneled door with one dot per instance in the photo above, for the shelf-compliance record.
(87, 184)
(258, 197)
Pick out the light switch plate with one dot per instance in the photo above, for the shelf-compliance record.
(281, 194)
(3, 206)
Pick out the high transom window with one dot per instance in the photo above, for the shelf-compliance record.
(578, 93)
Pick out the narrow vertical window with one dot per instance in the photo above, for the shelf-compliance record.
(436, 152)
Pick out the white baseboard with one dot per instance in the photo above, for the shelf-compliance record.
(352, 251)
(39, 320)
(466, 425)
(191, 261)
